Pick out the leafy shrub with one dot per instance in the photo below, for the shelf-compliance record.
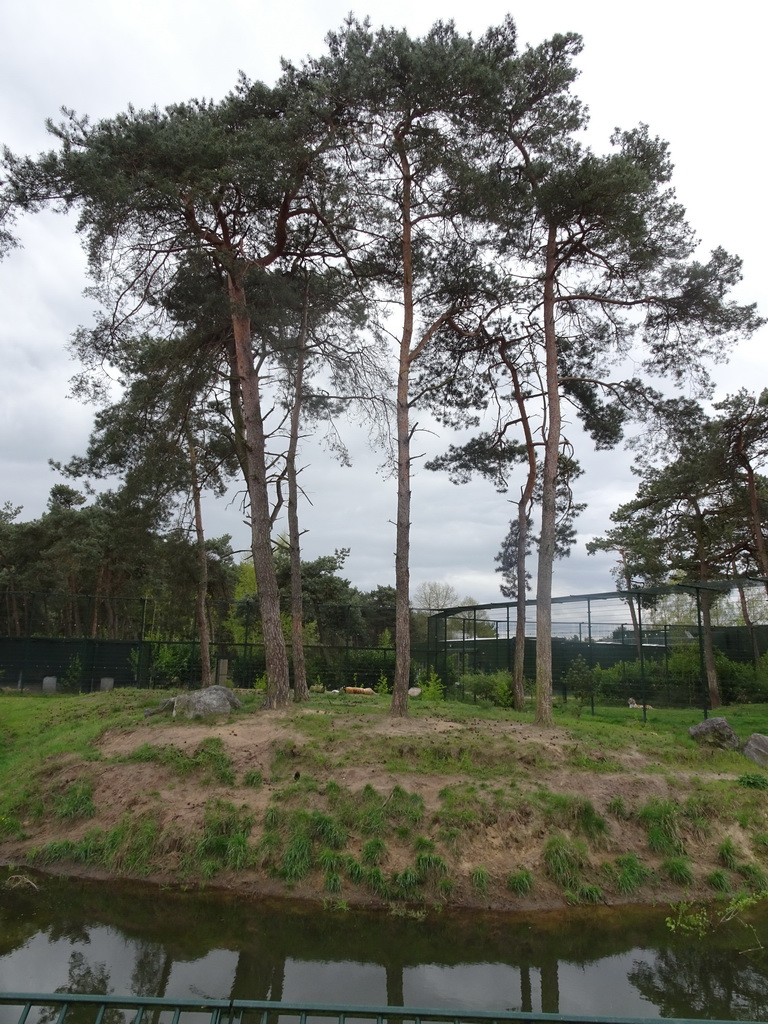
(432, 688)
(72, 680)
(580, 679)
(494, 687)
(753, 780)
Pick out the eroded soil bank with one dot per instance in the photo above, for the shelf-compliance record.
(344, 805)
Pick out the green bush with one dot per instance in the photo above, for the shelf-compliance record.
(580, 680)
(432, 688)
(494, 687)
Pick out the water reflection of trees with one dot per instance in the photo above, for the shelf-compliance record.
(162, 931)
(692, 980)
(83, 978)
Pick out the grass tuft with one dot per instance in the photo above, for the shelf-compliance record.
(631, 873)
(719, 881)
(661, 819)
(75, 802)
(678, 870)
(520, 882)
(481, 879)
(728, 854)
(374, 852)
(564, 859)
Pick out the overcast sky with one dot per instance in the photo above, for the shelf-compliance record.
(693, 73)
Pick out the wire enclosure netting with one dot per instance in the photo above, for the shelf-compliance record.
(642, 642)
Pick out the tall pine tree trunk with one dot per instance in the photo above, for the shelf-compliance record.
(549, 497)
(707, 597)
(278, 687)
(523, 519)
(402, 679)
(201, 603)
(300, 689)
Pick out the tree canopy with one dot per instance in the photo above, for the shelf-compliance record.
(411, 222)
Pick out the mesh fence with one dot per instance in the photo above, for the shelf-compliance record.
(611, 659)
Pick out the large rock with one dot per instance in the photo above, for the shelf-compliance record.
(715, 732)
(756, 749)
(213, 700)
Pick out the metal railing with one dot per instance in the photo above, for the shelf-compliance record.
(140, 1009)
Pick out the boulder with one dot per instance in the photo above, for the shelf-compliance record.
(715, 732)
(213, 700)
(756, 749)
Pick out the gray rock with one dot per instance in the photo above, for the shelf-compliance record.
(715, 732)
(756, 749)
(213, 700)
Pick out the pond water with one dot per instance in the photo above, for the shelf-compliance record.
(127, 940)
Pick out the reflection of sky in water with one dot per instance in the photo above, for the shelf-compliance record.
(42, 964)
(600, 989)
(209, 978)
(340, 982)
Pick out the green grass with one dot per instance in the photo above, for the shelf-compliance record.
(629, 873)
(662, 821)
(314, 821)
(564, 859)
(754, 876)
(41, 730)
(585, 894)
(678, 870)
(298, 855)
(209, 760)
(374, 852)
(618, 808)
(225, 839)
(728, 853)
(520, 882)
(719, 881)
(481, 879)
(333, 882)
(574, 813)
(430, 866)
(127, 848)
(590, 760)
(76, 801)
